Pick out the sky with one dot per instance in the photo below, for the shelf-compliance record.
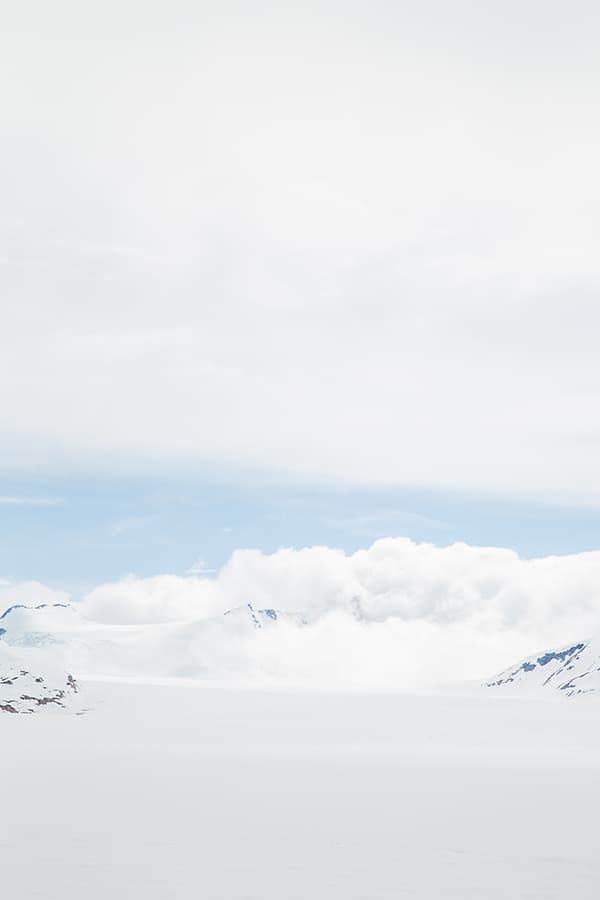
(75, 531)
(285, 274)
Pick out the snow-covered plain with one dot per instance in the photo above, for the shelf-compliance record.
(170, 791)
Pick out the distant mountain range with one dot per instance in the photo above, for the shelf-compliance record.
(203, 648)
(195, 648)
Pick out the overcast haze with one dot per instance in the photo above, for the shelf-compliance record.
(357, 244)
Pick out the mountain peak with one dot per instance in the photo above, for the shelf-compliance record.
(573, 669)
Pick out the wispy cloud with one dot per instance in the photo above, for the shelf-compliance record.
(200, 568)
(30, 501)
(390, 518)
(131, 523)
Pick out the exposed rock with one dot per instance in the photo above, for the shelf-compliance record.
(24, 690)
(572, 670)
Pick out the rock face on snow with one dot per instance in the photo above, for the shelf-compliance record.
(261, 618)
(572, 670)
(28, 685)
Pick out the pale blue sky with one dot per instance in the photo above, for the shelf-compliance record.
(76, 531)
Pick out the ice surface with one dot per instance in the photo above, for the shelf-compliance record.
(180, 792)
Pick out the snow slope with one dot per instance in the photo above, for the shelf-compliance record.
(30, 683)
(201, 647)
(572, 670)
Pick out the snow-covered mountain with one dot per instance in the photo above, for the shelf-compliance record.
(237, 643)
(36, 625)
(261, 618)
(201, 647)
(23, 625)
(573, 670)
(30, 683)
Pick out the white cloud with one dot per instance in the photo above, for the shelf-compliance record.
(395, 614)
(29, 593)
(378, 267)
(163, 598)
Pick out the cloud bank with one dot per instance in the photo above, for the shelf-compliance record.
(397, 614)
(395, 578)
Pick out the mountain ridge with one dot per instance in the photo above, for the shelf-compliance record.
(572, 669)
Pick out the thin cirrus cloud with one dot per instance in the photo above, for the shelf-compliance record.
(30, 501)
(132, 523)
